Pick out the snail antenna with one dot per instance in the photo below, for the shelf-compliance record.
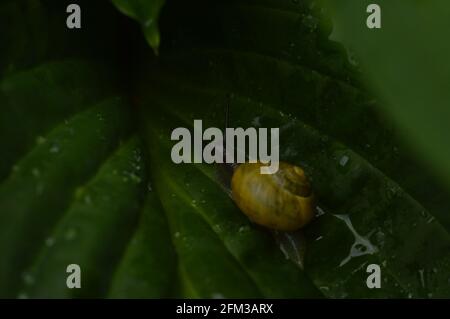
(227, 169)
(227, 118)
(227, 111)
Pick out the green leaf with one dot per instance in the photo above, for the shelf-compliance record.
(35, 100)
(368, 216)
(34, 32)
(148, 267)
(216, 244)
(35, 195)
(147, 14)
(77, 186)
(69, 181)
(407, 64)
(314, 82)
(92, 231)
(324, 116)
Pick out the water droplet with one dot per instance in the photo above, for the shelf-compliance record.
(54, 149)
(49, 242)
(243, 229)
(422, 277)
(177, 235)
(380, 237)
(22, 295)
(148, 22)
(310, 22)
(28, 279)
(71, 234)
(134, 178)
(319, 211)
(352, 58)
(344, 160)
(39, 189)
(87, 200)
(40, 140)
(256, 121)
(35, 172)
(149, 187)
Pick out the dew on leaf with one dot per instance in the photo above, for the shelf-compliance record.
(217, 228)
(39, 189)
(256, 121)
(344, 160)
(28, 279)
(87, 200)
(40, 140)
(319, 211)
(35, 172)
(243, 229)
(49, 242)
(70, 234)
(100, 117)
(422, 277)
(148, 22)
(22, 295)
(54, 149)
(310, 22)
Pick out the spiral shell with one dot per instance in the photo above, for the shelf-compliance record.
(282, 201)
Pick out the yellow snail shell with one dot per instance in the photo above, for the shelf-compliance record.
(282, 201)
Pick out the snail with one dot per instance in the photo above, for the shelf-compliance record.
(280, 201)
(283, 201)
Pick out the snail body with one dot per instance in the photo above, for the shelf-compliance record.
(281, 201)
